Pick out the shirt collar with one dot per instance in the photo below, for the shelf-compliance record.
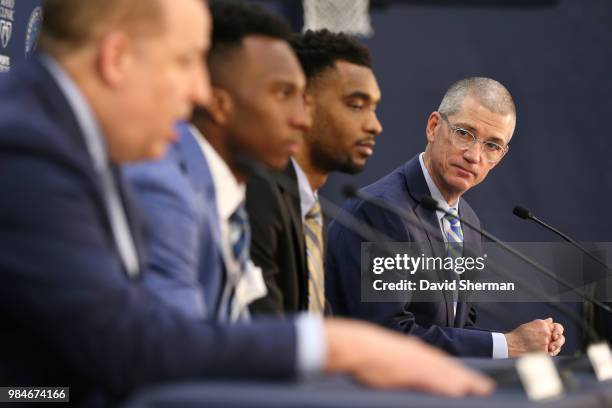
(307, 196)
(94, 140)
(229, 192)
(435, 192)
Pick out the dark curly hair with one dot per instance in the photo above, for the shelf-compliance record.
(234, 20)
(319, 50)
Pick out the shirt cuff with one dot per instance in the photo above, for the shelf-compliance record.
(500, 346)
(311, 348)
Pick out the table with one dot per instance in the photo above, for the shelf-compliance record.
(342, 392)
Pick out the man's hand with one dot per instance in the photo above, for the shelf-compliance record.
(536, 335)
(384, 359)
(557, 340)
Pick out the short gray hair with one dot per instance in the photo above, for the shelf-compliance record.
(488, 92)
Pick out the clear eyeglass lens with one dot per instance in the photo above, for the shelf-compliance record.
(463, 139)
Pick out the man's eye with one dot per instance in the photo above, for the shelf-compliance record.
(464, 134)
(283, 93)
(494, 147)
(356, 107)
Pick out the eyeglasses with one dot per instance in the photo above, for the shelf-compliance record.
(464, 139)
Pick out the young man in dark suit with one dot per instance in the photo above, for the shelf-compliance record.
(114, 78)
(288, 239)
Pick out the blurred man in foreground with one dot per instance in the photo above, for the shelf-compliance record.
(115, 77)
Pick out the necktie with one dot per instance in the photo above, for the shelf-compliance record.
(239, 239)
(313, 232)
(240, 236)
(454, 234)
(454, 245)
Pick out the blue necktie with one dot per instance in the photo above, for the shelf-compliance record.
(240, 236)
(239, 240)
(454, 244)
(454, 234)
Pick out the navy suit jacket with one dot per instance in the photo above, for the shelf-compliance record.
(432, 321)
(185, 261)
(70, 314)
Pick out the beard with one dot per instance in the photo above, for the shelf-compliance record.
(334, 161)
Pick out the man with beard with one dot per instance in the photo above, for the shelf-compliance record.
(284, 209)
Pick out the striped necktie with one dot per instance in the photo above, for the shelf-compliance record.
(313, 232)
(240, 235)
(239, 240)
(454, 246)
(454, 234)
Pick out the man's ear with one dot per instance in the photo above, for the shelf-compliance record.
(220, 107)
(433, 122)
(115, 58)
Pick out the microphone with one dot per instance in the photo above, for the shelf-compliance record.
(432, 205)
(521, 212)
(588, 312)
(525, 214)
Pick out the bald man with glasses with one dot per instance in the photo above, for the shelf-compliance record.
(467, 137)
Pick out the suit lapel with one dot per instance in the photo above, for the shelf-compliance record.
(56, 104)
(136, 220)
(289, 190)
(473, 241)
(192, 161)
(193, 164)
(417, 189)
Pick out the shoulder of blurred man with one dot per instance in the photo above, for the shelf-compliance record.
(177, 194)
(36, 117)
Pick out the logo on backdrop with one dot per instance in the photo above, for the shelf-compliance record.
(5, 63)
(33, 30)
(6, 29)
(7, 16)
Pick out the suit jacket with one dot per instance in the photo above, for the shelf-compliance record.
(185, 261)
(70, 315)
(432, 321)
(277, 246)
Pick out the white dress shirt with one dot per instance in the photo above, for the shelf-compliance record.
(308, 197)
(500, 345)
(230, 195)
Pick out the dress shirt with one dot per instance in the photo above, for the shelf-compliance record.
(311, 348)
(500, 345)
(307, 196)
(230, 194)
